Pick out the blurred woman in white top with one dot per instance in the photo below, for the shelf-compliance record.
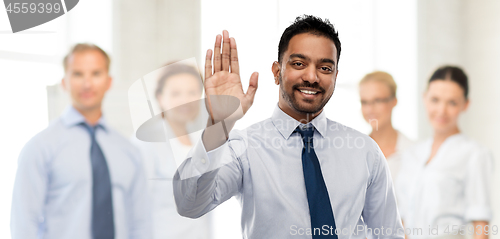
(377, 91)
(444, 181)
(165, 140)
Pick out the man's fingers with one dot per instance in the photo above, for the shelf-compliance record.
(252, 86)
(235, 65)
(217, 55)
(208, 64)
(225, 51)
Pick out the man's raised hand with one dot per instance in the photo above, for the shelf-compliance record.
(222, 80)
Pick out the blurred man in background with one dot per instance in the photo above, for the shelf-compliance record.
(79, 178)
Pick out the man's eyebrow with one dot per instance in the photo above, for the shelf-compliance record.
(301, 56)
(298, 55)
(327, 60)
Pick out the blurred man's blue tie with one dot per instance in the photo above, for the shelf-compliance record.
(320, 208)
(102, 205)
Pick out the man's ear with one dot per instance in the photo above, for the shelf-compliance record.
(63, 83)
(110, 82)
(276, 72)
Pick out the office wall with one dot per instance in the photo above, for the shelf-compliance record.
(146, 35)
(482, 61)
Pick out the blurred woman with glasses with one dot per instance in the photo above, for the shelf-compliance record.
(377, 91)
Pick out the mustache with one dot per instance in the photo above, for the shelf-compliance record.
(309, 85)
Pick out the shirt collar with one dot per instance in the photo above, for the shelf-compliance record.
(286, 124)
(72, 117)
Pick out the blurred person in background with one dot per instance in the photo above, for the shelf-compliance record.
(377, 91)
(178, 92)
(444, 181)
(79, 178)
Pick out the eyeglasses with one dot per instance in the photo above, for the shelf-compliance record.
(376, 102)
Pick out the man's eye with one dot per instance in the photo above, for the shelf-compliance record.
(298, 64)
(325, 68)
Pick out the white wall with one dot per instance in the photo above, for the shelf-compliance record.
(482, 62)
(146, 36)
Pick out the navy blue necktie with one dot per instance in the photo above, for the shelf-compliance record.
(103, 226)
(320, 208)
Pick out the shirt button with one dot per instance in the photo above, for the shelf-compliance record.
(203, 160)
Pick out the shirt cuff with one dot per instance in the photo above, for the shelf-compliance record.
(478, 213)
(200, 161)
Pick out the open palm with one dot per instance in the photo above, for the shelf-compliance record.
(222, 81)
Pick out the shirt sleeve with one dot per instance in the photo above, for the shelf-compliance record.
(380, 209)
(478, 185)
(140, 219)
(207, 179)
(30, 189)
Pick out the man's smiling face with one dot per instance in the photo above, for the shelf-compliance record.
(306, 75)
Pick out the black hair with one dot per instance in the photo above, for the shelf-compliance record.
(453, 73)
(312, 25)
(176, 69)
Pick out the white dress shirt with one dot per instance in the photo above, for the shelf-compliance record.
(161, 159)
(262, 167)
(448, 192)
(52, 196)
(394, 160)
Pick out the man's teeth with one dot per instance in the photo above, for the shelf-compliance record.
(309, 92)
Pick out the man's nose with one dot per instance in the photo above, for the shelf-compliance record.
(310, 74)
(368, 106)
(87, 81)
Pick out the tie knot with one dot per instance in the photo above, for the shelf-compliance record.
(90, 129)
(306, 133)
